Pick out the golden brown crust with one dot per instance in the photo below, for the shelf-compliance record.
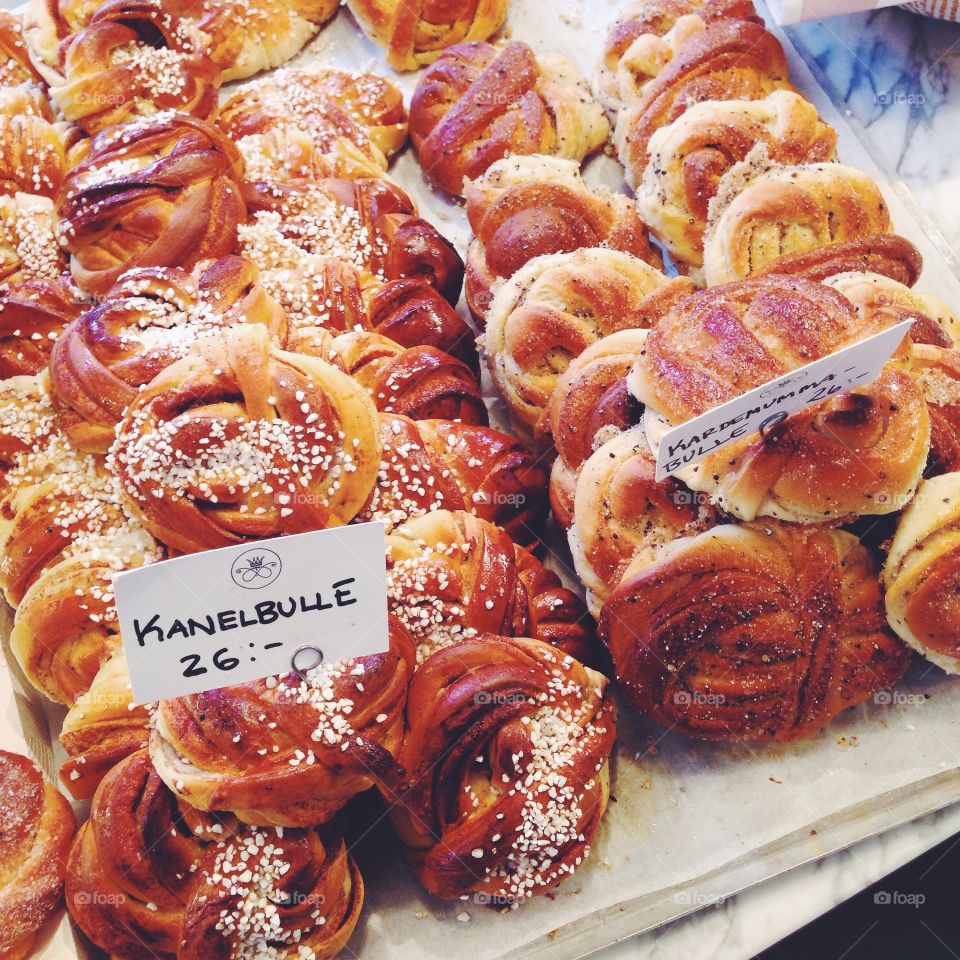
(441, 465)
(148, 319)
(415, 33)
(132, 867)
(757, 219)
(490, 714)
(421, 382)
(555, 308)
(732, 59)
(29, 247)
(297, 891)
(336, 730)
(620, 511)
(527, 207)
(452, 576)
(159, 192)
(857, 453)
(36, 829)
(335, 109)
(479, 103)
(370, 223)
(102, 728)
(887, 254)
(32, 315)
(689, 158)
(922, 573)
(752, 632)
(133, 59)
(15, 64)
(33, 144)
(240, 440)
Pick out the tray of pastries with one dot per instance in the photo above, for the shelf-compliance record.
(274, 267)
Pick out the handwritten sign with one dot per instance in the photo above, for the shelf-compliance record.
(228, 616)
(764, 407)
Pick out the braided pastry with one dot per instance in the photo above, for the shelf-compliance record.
(754, 220)
(102, 728)
(556, 307)
(922, 573)
(479, 103)
(861, 452)
(149, 318)
(323, 295)
(418, 382)
(440, 465)
(36, 829)
(371, 224)
(161, 192)
(32, 315)
(134, 58)
(280, 894)
(244, 37)
(731, 59)
(29, 249)
(290, 750)
(885, 254)
(640, 44)
(132, 869)
(690, 156)
(526, 207)
(339, 112)
(33, 145)
(48, 23)
(415, 34)
(492, 723)
(66, 626)
(621, 511)
(57, 503)
(240, 440)
(885, 302)
(590, 405)
(452, 576)
(937, 373)
(28, 430)
(15, 64)
(754, 632)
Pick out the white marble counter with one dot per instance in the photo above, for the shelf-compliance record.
(899, 76)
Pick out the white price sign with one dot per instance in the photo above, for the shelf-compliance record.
(228, 616)
(766, 406)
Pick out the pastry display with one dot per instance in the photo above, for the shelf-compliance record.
(755, 219)
(527, 207)
(289, 751)
(486, 825)
(415, 34)
(36, 830)
(147, 320)
(688, 159)
(749, 590)
(241, 440)
(452, 576)
(233, 312)
(431, 465)
(857, 453)
(555, 308)
(480, 102)
(160, 192)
